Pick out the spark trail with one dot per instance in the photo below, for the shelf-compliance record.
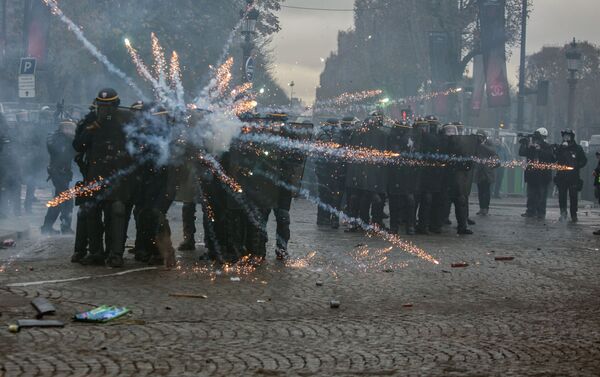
(382, 157)
(372, 230)
(55, 9)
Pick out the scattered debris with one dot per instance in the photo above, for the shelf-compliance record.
(26, 323)
(235, 278)
(261, 301)
(504, 258)
(30, 268)
(102, 313)
(539, 249)
(188, 295)
(9, 242)
(459, 265)
(407, 305)
(319, 283)
(43, 307)
(168, 308)
(446, 272)
(388, 270)
(334, 304)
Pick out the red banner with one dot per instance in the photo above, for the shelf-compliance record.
(37, 29)
(493, 44)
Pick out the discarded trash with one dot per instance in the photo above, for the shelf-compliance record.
(188, 295)
(261, 301)
(9, 242)
(43, 307)
(446, 272)
(388, 270)
(26, 323)
(102, 313)
(407, 305)
(504, 258)
(319, 283)
(30, 268)
(459, 265)
(235, 278)
(334, 304)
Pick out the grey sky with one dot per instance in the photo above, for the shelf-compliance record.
(308, 36)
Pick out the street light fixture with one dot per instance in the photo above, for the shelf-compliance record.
(574, 64)
(248, 29)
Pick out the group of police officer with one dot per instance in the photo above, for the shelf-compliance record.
(567, 154)
(420, 183)
(135, 161)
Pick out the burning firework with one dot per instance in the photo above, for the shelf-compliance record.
(79, 191)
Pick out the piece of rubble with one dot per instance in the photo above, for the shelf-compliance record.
(319, 283)
(43, 307)
(504, 258)
(459, 265)
(188, 295)
(334, 304)
(27, 323)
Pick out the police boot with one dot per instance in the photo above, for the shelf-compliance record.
(335, 222)
(281, 254)
(410, 231)
(49, 231)
(563, 215)
(78, 256)
(188, 244)
(93, 260)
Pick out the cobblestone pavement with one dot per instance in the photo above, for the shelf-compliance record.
(537, 315)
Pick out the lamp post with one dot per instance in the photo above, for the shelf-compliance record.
(248, 29)
(573, 56)
(292, 84)
(521, 98)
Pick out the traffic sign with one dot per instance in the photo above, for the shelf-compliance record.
(27, 66)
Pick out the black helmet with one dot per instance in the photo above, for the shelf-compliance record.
(332, 122)
(108, 97)
(137, 105)
(568, 131)
(348, 120)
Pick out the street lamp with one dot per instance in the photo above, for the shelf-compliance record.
(248, 29)
(574, 63)
(292, 84)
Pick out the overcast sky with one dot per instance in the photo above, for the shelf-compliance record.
(307, 37)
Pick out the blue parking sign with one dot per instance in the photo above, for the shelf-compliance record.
(27, 66)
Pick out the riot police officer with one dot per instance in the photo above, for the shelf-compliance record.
(570, 154)
(403, 181)
(81, 234)
(60, 172)
(109, 165)
(430, 184)
(537, 150)
(331, 176)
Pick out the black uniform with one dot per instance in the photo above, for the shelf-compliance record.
(460, 177)
(331, 177)
(291, 169)
(568, 182)
(104, 144)
(403, 181)
(368, 181)
(538, 151)
(81, 234)
(154, 189)
(60, 171)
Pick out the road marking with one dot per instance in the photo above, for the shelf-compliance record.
(29, 284)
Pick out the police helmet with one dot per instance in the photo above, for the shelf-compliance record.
(107, 97)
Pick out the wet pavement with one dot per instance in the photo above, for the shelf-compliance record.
(535, 315)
